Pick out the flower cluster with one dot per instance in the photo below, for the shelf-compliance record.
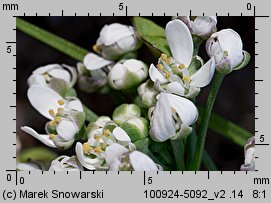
(164, 97)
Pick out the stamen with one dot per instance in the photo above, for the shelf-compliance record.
(186, 78)
(98, 149)
(87, 148)
(173, 110)
(59, 110)
(60, 102)
(46, 76)
(52, 112)
(159, 66)
(106, 132)
(57, 119)
(97, 137)
(168, 61)
(163, 57)
(226, 53)
(167, 75)
(96, 48)
(52, 123)
(182, 66)
(52, 136)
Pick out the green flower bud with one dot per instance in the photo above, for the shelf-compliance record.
(124, 112)
(136, 127)
(127, 74)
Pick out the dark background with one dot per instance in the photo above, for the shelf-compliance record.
(235, 100)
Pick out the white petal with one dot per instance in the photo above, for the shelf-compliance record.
(61, 74)
(27, 167)
(204, 75)
(66, 130)
(121, 135)
(180, 41)
(43, 138)
(113, 33)
(117, 72)
(231, 42)
(93, 61)
(186, 110)
(162, 123)
(73, 74)
(36, 80)
(88, 163)
(141, 162)
(74, 105)
(43, 99)
(175, 88)
(43, 69)
(114, 152)
(155, 75)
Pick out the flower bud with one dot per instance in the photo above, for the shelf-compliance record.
(90, 81)
(125, 112)
(136, 127)
(58, 77)
(202, 26)
(249, 151)
(127, 74)
(226, 48)
(115, 40)
(147, 93)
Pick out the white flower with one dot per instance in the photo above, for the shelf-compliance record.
(172, 117)
(147, 94)
(65, 163)
(227, 49)
(202, 26)
(249, 151)
(115, 40)
(91, 154)
(66, 115)
(127, 74)
(45, 75)
(120, 158)
(175, 75)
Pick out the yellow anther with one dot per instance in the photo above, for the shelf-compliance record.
(226, 53)
(98, 149)
(168, 61)
(52, 136)
(87, 148)
(57, 119)
(167, 75)
(52, 112)
(46, 76)
(59, 110)
(52, 123)
(96, 48)
(97, 137)
(186, 78)
(106, 132)
(60, 102)
(159, 66)
(173, 110)
(163, 57)
(182, 66)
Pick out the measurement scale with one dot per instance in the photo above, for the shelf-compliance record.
(200, 186)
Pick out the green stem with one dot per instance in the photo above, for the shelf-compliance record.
(190, 146)
(178, 151)
(90, 115)
(52, 40)
(205, 120)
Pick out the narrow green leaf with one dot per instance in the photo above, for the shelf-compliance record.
(52, 40)
(152, 34)
(227, 129)
(37, 154)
